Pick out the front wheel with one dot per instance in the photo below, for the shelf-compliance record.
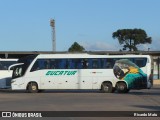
(107, 88)
(33, 87)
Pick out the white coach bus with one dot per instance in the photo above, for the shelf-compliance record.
(5, 75)
(82, 71)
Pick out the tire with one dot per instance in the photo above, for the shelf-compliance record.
(122, 87)
(107, 88)
(33, 87)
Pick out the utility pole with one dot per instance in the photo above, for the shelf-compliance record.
(52, 24)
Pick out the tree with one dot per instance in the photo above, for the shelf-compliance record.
(75, 47)
(130, 38)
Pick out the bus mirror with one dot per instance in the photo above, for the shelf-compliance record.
(11, 66)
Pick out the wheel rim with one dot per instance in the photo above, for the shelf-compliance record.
(122, 87)
(34, 88)
(106, 88)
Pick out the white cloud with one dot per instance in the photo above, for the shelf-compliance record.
(144, 47)
(106, 46)
(99, 46)
(155, 45)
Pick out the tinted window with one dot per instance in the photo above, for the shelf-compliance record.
(91, 63)
(63, 64)
(5, 64)
(76, 64)
(103, 63)
(96, 63)
(110, 62)
(44, 64)
(140, 62)
(18, 71)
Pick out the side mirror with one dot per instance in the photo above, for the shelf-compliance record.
(11, 66)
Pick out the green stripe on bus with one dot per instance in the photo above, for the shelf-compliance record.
(58, 73)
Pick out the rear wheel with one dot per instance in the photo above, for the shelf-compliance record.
(33, 87)
(107, 88)
(122, 87)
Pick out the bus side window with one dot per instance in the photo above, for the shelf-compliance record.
(46, 64)
(84, 63)
(95, 63)
(67, 64)
(109, 63)
(71, 64)
(40, 64)
(103, 63)
(56, 64)
(61, 64)
(52, 64)
(140, 62)
(35, 66)
(43, 64)
(78, 64)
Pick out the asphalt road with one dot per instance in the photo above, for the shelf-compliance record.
(85, 100)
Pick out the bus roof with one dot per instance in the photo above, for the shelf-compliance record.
(1, 59)
(85, 55)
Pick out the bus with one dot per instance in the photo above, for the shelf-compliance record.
(82, 71)
(5, 75)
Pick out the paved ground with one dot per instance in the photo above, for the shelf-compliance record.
(60, 100)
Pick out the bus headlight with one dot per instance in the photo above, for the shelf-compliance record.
(12, 81)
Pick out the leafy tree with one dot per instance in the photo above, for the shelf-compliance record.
(75, 47)
(130, 38)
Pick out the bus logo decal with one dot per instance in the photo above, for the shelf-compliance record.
(58, 73)
(126, 70)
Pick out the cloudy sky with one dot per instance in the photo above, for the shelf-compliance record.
(24, 24)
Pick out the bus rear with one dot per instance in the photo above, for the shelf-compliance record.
(149, 67)
(135, 71)
(5, 75)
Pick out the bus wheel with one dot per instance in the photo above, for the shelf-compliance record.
(33, 87)
(107, 87)
(122, 87)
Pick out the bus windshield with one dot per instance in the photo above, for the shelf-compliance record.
(5, 64)
(19, 70)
